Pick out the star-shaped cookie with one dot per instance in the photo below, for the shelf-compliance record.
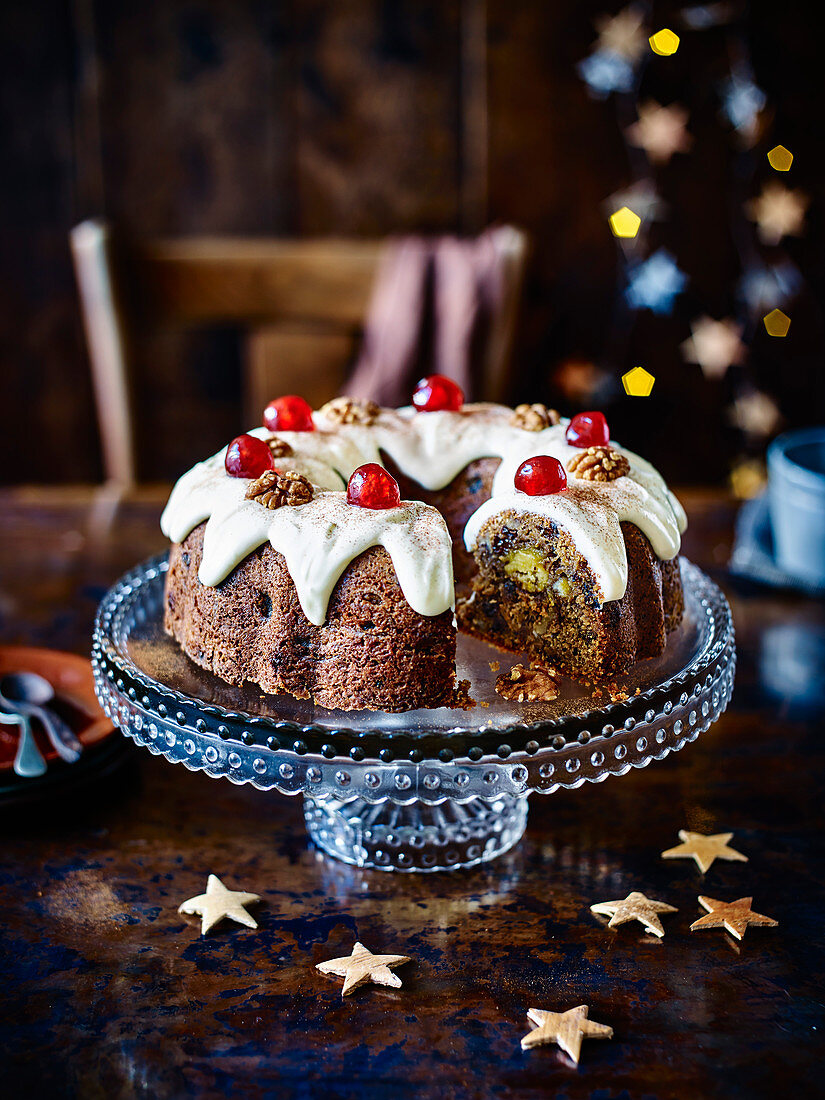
(361, 967)
(704, 849)
(565, 1028)
(219, 903)
(733, 916)
(636, 906)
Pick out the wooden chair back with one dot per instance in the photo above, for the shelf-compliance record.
(301, 305)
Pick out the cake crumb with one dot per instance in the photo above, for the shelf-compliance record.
(613, 691)
(495, 666)
(532, 685)
(462, 700)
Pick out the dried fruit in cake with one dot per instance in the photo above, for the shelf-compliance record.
(248, 456)
(536, 593)
(436, 393)
(288, 414)
(588, 429)
(370, 486)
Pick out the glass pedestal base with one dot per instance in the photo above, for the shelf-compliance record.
(418, 836)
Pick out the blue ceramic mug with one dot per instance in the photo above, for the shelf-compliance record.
(796, 500)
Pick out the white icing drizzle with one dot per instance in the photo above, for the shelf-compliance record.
(319, 539)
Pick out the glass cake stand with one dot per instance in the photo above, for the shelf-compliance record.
(427, 790)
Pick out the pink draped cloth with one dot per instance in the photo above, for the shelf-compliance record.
(431, 309)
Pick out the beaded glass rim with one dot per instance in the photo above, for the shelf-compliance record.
(289, 755)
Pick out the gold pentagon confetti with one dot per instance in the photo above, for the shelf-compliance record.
(665, 42)
(780, 158)
(624, 222)
(638, 382)
(776, 323)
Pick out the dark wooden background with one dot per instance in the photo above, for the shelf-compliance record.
(362, 117)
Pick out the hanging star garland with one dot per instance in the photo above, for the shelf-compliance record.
(768, 287)
(714, 345)
(704, 849)
(642, 198)
(219, 904)
(742, 103)
(362, 966)
(778, 212)
(655, 283)
(702, 16)
(660, 131)
(622, 34)
(734, 916)
(636, 906)
(567, 1029)
(604, 72)
(756, 414)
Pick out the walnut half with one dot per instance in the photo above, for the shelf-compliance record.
(346, 410)
(273, 489)
(533, 418)
(598, 464)
(532, 685)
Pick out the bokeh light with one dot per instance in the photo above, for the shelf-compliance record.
(624, 222)
(776, 323)
(780, 158)
(638, 382)
(665, 42)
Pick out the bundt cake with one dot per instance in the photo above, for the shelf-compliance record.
(297, 566)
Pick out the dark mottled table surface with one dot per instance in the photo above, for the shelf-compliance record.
(107, 992)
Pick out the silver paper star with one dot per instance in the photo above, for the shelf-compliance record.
(766, 288)
(702, 16)
(604, 72)
(742, 103)
(655, 283)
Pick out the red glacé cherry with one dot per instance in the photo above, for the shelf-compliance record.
(248, 456)
(288, 414)
(540, 476)
(435, 393)
(370, 486)
(588, 429)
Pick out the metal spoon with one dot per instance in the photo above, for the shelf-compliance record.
(27, 762)
(27, 694)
